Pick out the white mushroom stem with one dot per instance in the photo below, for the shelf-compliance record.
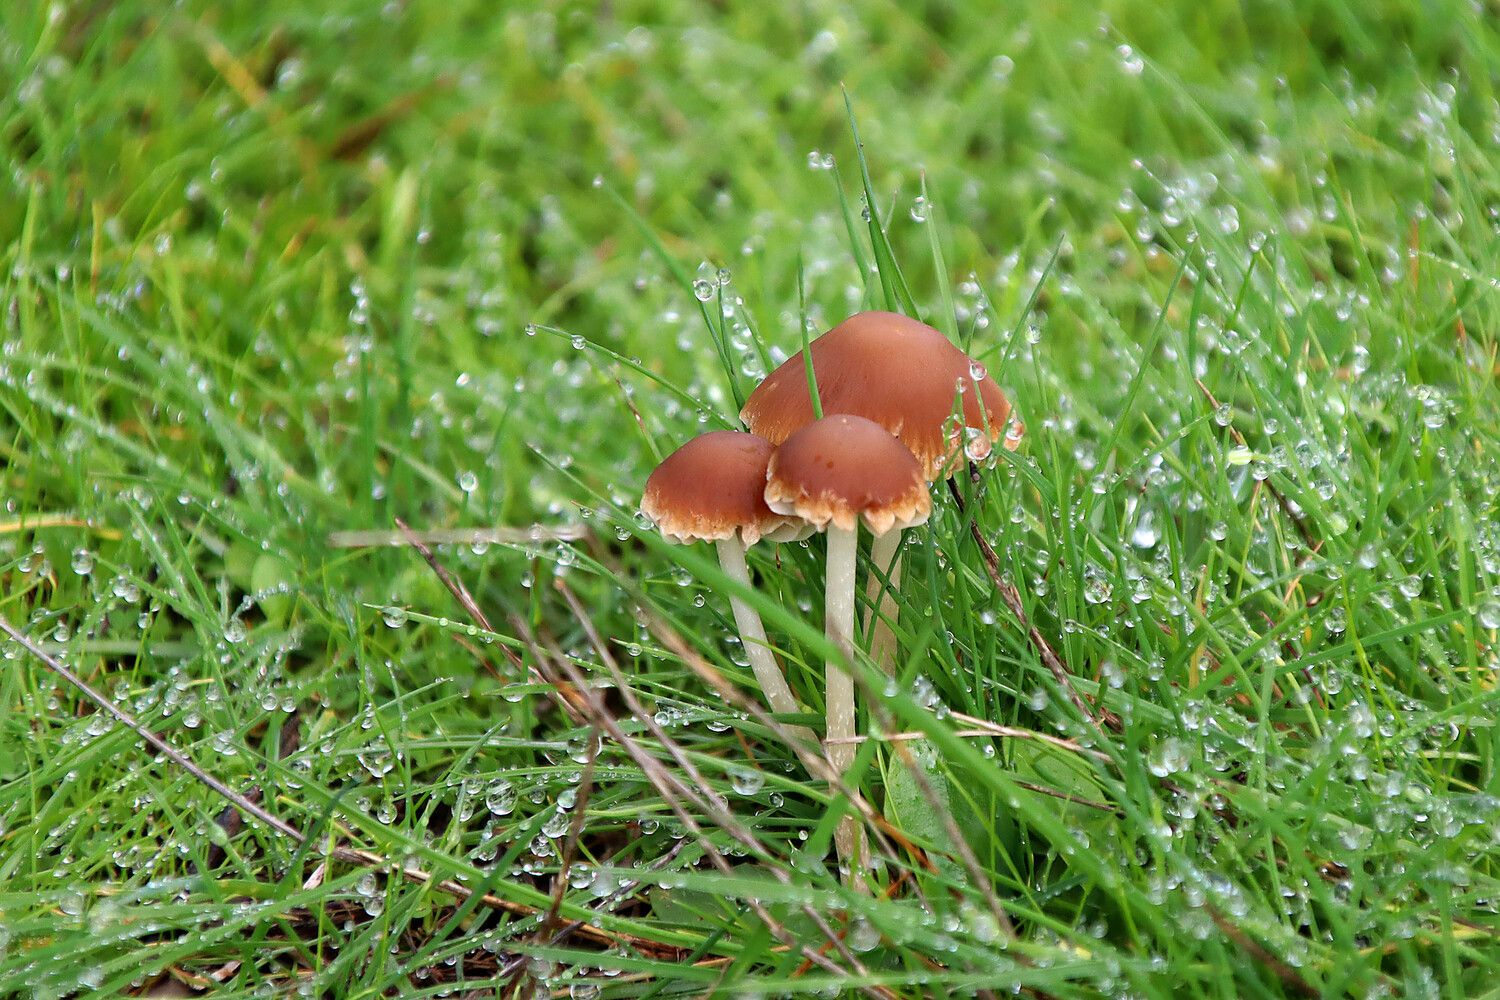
(753, 636)
(885, 558)
(838, 621)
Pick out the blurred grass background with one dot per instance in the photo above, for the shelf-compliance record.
(275, 271)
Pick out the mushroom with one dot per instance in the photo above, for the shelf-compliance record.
(713, 489)
(905, 376)
(893, 370)
(832, 473)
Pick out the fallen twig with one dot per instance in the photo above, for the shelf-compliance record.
(672, 789)
(454, 536)
(575, 828)
(1012, 732)
(567, 698)
(1289, 976)
(231, 820)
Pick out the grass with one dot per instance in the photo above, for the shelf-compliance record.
(269, 275)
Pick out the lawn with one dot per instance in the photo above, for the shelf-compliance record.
(339, 340)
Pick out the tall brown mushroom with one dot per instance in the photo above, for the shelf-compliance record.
(833, 473)
(911, 380)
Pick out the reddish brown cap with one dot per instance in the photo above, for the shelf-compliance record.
(900, 373)
(713, 488)
(842, 468)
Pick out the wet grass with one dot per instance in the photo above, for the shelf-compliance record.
(274, 276)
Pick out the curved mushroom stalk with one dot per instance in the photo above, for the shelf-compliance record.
(882, 595)
(757, 648)
(713, 489)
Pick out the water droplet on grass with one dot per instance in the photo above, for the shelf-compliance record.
(378, 762)
(557, 824)
(819, 161)
(977, 446)
(1130, 62)
(863, 935)
(500, 797)
(1168, 758)
(1144, 536)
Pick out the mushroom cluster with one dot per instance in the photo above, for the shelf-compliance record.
(901, 407)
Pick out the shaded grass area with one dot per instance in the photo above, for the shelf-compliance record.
(274, 274)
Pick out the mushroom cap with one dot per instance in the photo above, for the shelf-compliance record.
(842, 468)
(900, 373)
(713, 488)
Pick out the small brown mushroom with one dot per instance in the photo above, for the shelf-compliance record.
(713, 489)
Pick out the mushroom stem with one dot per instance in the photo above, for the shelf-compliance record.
(884, 557)
(838, 621)
(773, 684)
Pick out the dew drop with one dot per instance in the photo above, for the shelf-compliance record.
(863, 936)
(1130, 62)
(1168, 758)
(500, 797)
(747, 781)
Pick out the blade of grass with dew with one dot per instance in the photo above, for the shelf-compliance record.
(892, 281)
(807, 360)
